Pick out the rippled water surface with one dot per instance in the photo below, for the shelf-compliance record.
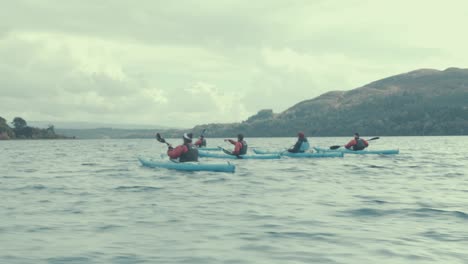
(90, 201)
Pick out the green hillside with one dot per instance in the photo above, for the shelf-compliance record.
(422, 102)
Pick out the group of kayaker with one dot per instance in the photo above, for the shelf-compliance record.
(189, 152)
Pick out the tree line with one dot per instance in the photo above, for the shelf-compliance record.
(21, 130)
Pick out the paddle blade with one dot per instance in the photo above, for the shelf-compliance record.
(159, 138)
(226, 151)
(230, 153)
(374, 138)
(335, 147)
(203, 132)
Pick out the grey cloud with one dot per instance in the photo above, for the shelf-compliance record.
(186, 22)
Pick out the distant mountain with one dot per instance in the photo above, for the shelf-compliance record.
(89, 130)
(421, 102)
(106, 133)
(92, 125)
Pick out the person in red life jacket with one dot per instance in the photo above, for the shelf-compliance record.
(201, 142)
(185, 152)
(301, 145)
(357, 143)
(240, 146)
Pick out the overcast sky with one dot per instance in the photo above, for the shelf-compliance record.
(184, 63)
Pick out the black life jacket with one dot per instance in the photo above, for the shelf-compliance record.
(359, 145)
(190, 155)
(203, 143)
(243, 150)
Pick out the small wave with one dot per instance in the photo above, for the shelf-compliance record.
(31, 187)
(60, 260)
(8, 177)
(421, 212)
(107, 227)
(454, 174)
(245, 236)
(377, 167)
(425, 212)
(129, 259)
(257, 248)
(368, 212)
(413, 167)
(378, 201)
(369, 199)
(138, 188)
(271, 226)
(41, 229)
(73, 211)
(89, 164)
(391, 253)
(443, 237)
(314, 236)
(215, 180)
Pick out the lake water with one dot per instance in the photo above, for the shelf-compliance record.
(90, 201)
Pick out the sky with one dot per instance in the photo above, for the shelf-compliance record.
(185, 63)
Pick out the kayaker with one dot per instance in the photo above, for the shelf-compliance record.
(240, 146)
(357, 143)
(301, 145)
(201, 142)
(185, 152)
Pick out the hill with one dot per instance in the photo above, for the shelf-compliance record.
(421, 102)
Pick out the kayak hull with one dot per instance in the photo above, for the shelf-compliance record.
(263, 152)
(226, 156)
(187, 166)
(314, 155)
(302, 154)
(209, 149)
(348, 151)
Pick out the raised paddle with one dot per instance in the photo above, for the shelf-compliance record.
(338, 146)
(162, 140)
(203, 132)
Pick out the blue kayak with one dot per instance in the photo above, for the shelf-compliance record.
(209, 149)
(188, 166)
(227, 156)
(302, 154)
(259, 151)
(350, 151)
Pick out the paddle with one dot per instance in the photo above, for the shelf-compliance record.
(229, 152)
(286, 150)
(162, 140)
(337, 146)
